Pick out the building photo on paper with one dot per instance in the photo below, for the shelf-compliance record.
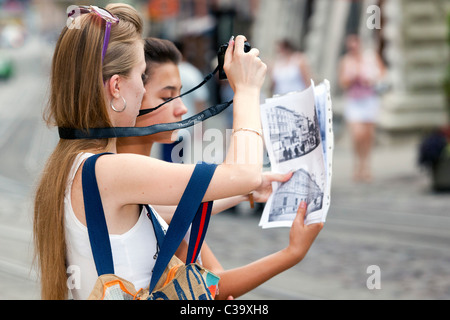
(298, 136)
(292, 134)
(301, 187)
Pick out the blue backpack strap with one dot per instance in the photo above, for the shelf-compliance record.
(198, 230)
(95, 219)
(183, 217)
(159, 230)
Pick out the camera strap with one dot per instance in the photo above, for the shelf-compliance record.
(120, 132)
(205, 80)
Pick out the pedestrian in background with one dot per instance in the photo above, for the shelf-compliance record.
(290, 71)
(359, 73)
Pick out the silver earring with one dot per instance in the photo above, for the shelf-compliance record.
(124, 105)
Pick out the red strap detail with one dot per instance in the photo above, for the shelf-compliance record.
(200, 229)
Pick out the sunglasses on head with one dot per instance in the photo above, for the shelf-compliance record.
(105, 15)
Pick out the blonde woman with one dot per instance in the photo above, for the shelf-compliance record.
(163, 83)
(96, 81)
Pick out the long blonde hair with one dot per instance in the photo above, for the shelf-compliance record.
(77, 100)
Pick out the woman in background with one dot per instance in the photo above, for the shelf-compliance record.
(358, 75)
(290, 71)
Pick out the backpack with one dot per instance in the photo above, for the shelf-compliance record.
(171, 279)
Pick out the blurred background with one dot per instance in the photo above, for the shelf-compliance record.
(398, 220)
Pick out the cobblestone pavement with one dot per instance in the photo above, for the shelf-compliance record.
(395, 223)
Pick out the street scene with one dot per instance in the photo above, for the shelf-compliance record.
(387, 233)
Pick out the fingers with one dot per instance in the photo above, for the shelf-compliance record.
(301, 212)
(311, 230)
(229, 53)
(279, 177)
(254, 52)
(236, 46)
(244, 70)
(239, 44)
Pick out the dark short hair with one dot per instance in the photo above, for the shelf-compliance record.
(159, 51)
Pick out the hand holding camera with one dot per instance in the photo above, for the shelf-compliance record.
(242, 66)
(221, 57)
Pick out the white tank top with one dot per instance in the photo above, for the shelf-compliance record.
(287, 78)
(132, 251)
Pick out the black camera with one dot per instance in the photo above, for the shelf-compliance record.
(221, 57)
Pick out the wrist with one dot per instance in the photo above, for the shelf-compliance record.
(245, 90)
(293, 255)
(246, 111)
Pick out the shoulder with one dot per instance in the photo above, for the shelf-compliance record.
(299, 57)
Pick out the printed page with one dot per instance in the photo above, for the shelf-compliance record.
(325, 115)
(297, 139)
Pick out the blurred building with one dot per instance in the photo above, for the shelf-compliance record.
(416, 50)
(201, 25)
(411, 38)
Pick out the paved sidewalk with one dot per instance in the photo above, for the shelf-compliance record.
(395, 223)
